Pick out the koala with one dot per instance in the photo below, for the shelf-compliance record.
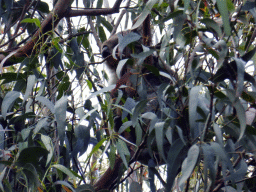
(141, 80)
(112, 59)
(136, 47)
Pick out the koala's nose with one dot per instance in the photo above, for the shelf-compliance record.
(105, 52)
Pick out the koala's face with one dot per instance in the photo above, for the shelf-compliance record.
(122, 52)
(107, 49)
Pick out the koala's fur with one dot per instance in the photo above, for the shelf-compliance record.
(143, 82)
(107, 53)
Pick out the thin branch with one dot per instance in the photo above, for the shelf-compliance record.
(94, 33)
(95, 12)
(120, 18)
(61, 9)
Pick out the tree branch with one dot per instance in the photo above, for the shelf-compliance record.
(95, 12)
(60, 10)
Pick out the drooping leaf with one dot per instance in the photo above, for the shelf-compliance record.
(137, 111)
(124, 126)
(240, 111)
(65, 170)
(47, 141)
(31, 155)
(209, 156)
(120, 67)
(213, 25)
(193, 101)
(222, 6)
(83, 134)
(8, 101)
(46, 102)
(226, 163)
(123, 151)
(144, 14)
(138, 132)
(159, 128)
(126, 40)
(30, 83)
(30, 171)
(60, 109)
(240, 76)
(176, 155)
(189, 164)
(219, 137)
(65, 185)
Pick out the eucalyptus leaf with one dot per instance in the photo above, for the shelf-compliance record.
(223, 8)
(60, 109)
(189, 164)
(8, 101)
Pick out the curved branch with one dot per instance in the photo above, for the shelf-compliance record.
(106, 180)
(61, 9)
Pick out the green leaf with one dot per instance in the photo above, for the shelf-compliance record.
(240, 76)
(213, 25)
(180, 132)
(125, 126)
(60, 110)
(126, 40)
(8, 101)
(65, 183)
(240, 111)
(30, 83)
(31, 155)
(106, 24)
(46, 102)
(159, 128)
(176, 155)
(223, 8)
(65, 170)
(186, 5)
(193, 101)
(226, 163)
(137, 111)
(248, 56)
(96, 148)
(43, 6)
(189, 164)
(30, 171)
(178, 26)
(153, 69)
(105, 89)
(209, 156)
(123, 151)
(144, 14)
(34, 20)
(138, 132)
(120, 66)
(102, 34)
(47, 141)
